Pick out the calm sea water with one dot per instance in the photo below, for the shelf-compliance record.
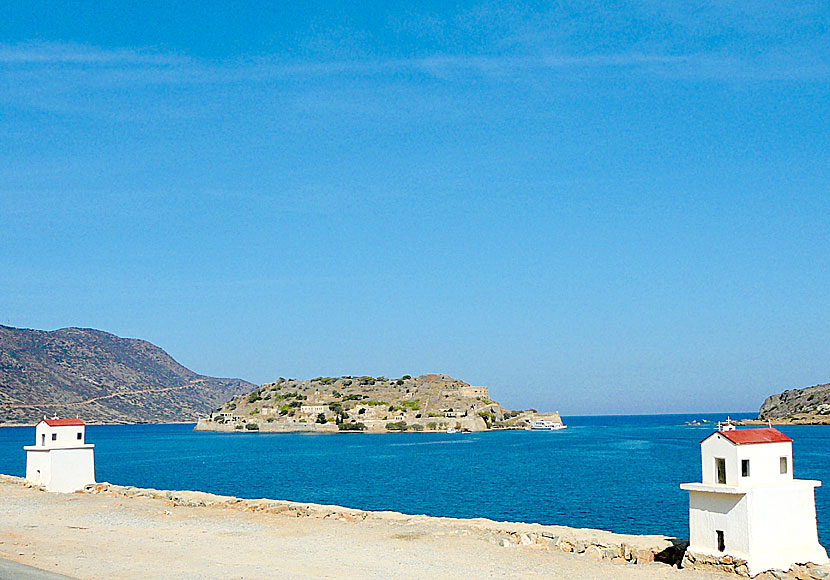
(619, 473)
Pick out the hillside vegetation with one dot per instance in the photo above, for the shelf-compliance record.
(101, 378)
(363, 403)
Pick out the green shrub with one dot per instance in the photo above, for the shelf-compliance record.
(417, 427)
(351, 426)
(238, 427)
(397, 426)
(321, 418)
(252, 427)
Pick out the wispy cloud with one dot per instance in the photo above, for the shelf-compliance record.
(40, 53)
(135, 64)
(125, 83)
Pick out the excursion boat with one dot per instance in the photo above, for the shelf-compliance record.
(452, 430)
(542, 425)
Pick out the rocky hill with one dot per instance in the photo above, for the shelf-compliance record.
(101, 378)
(376, 404)
(810, 405)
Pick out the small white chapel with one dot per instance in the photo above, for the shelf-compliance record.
(60, 460)
(749, 506)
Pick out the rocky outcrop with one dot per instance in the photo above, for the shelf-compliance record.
(100, 377)
(810, 405)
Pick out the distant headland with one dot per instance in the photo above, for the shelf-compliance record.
(431, 402)
(807, 406)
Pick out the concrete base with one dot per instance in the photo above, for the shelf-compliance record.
(64, 469)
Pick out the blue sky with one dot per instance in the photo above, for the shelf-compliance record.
(595, 207)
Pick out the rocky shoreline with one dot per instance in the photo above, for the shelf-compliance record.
(806, 419)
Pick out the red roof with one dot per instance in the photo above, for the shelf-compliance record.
(64, 422)
(750, 436)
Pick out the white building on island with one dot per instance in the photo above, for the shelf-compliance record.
(748, 506)
(60, 460)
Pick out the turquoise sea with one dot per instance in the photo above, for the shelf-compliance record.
(618, 473)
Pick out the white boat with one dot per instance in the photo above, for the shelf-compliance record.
(542, 425)
(451, 430)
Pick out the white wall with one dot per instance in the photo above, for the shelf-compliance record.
(709, 512)
(783, 526)
(764, 462)
(71, 469)
(38, 467)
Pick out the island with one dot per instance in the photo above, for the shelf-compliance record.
(430, 402)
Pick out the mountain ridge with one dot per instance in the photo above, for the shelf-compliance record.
(101, 377)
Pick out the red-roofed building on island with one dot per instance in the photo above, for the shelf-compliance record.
(60, 460)
(748, 508)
